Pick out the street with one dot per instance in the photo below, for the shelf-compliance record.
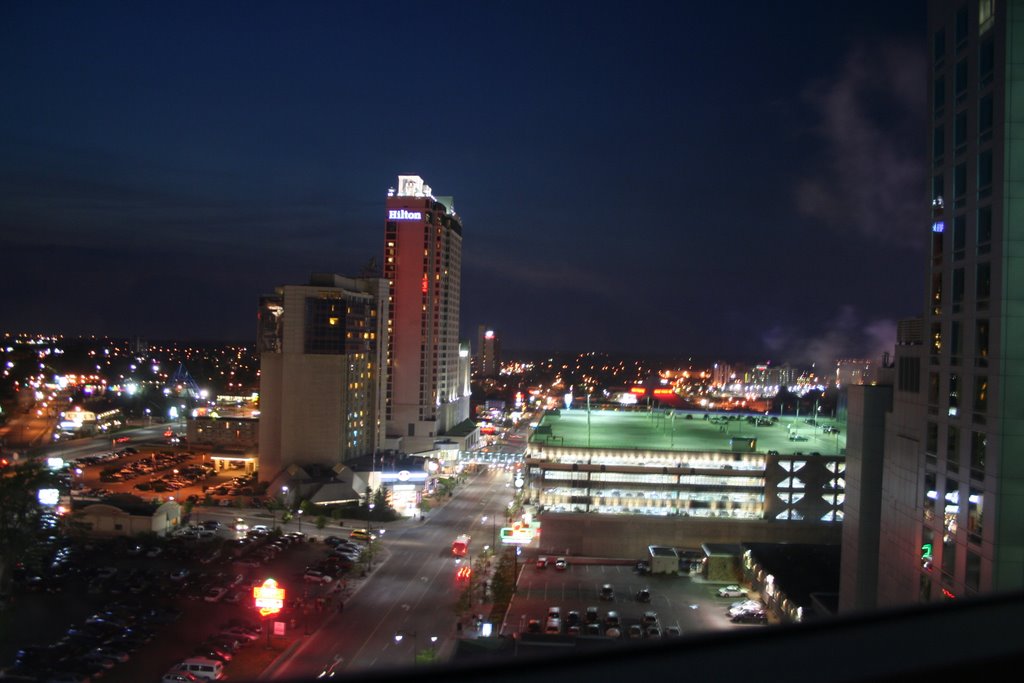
(412, 594)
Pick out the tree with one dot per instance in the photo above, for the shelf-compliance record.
(464, 604)
(19, 512)
(321, 522)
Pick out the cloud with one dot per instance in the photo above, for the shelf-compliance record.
(873, 174)
(846, 335)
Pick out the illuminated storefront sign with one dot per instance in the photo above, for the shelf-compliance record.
(520, 533)
(269, 597)
(404, 215)
(48, 496)
(404, 475)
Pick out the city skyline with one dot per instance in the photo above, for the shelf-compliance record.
(623, 189)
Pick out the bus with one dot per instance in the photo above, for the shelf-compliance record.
(460, 546)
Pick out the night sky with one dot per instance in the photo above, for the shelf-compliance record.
(735, 181)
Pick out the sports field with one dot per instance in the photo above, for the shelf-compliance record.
(688, 431)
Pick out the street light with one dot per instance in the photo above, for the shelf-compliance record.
(401, 634)
(300, 520)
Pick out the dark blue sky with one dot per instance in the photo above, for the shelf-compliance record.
(737, 181)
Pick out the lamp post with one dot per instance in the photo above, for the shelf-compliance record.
(494, 544)
(399, 635)
(369, 530)
(300, 520)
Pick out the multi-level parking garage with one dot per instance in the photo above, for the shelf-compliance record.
(676, 463)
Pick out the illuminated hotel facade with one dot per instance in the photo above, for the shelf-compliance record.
(952, 520)
(321, 350)
(427, 392)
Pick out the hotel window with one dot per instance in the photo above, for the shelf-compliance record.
(960, 132)
(325, 324)
(939, 101)
(985, 174)
(957, 293)
(953, 449)
(929, 497)
(937, 294)
(985, 118)
(975, 508)
(950, 514)
(955, 342)
(939, 47)
(986, 15)
(959, 236)
(980, 394)
(960, 32)
(933, 388)
(979, 444)
(954, 394)
(983, 286)
(984, 229)
(960, 81)
(931, 440)
(959, 184)
(981, 343)
(939, 144)
(986, 62)
(927, 548)
(972, 577)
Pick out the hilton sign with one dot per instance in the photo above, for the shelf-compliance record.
(403, 215)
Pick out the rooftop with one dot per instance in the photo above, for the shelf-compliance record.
(682, 430)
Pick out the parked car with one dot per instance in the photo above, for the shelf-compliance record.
(749, 617)
(643, 595)
(732, 591)
(316, 576)
(241, 632)
(215, 594)
(542, 562)
(561, 563)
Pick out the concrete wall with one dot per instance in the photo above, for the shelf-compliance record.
(628, 536)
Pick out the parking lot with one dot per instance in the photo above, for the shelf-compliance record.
(162, 472)
(687, 604)
(149, 603)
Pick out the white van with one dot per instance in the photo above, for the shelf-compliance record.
(201, 667)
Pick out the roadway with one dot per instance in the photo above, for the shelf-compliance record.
(413, 593)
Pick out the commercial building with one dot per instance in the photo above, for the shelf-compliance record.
(488, 351)
(952, 520)
(322, 371)
(428, 373)
(681, 479)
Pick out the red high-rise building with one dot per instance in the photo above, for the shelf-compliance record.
(427, 388)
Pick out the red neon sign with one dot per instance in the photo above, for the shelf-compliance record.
(269, 597)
